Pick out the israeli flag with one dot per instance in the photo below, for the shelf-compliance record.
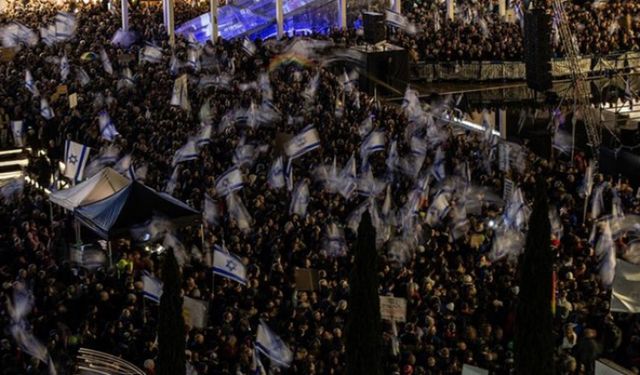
(257, 368)
(336, 243)
(186, 152)
(400, 21)
(248, 47)
(244, 154)
(393, 158)
(516, 212)
(205, 113)
(152, 54)
(348, 178)
(230, 181)
(193, 59)
(305, 141)
(151, 288)
(368, 185)
(276, 174)
(65, 68)
(204, 136)
(269, 344)
(438, 169)
(439, 209)
(45, 110)
(18, 133)
(65, 24)
(123, 165)
(173, 181)
(82, 76)
(374, 142)
(108, 130)
(228, 265)
(106, 63)
(300, 200)
(180, 94)
(30, 84)
(76, 156)
(418, 146)
(366, 126)
(210, 213)
(238, 212)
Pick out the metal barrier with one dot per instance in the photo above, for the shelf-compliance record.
(515, 70)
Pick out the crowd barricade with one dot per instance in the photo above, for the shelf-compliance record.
(515, 70)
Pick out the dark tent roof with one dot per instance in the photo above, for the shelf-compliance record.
(112, 217)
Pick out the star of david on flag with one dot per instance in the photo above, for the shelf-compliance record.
(228, 265)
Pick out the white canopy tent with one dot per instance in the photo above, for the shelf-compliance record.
(102, 185)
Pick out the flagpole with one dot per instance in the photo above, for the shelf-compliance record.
(171, 21)
(213, 5)
(124, 6)
(280, 18)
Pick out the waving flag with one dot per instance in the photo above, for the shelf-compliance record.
(238, 212)
(438, 169)
(186, 152)
(180, 94)
(335, 245)
(366, 126)
(204, 136)
(66, 25)
(173, 181)
(276, 174)
(65, 68)
(108, 130)
(106, 63)
(211, 213)
(151, 288)
(248, 47)
(45, 110)
(374, 142)
(205, 113)
(30, 84)
(368, 185)
(347, 180)
(300, 200)
(229, 181)
(228, 265)
(269, 344)
(152, 54)
(305, 141)
(76, 156)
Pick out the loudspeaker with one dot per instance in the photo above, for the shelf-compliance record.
(374, 27)
(537, 49)
(387, 67)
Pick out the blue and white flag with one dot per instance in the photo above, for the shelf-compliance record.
(82, 76)
(366, 126)
(65, 68)
(66, 25)
(439, 209)
(374, 142)
(393, 158)
(45, 110)
(349, 81)
(108, 130)
(30, 84)
(368, 185)
(211, 213)
(228, 265)
(173, 181)
(257, 368)
(300, 200)
(229, 181)
(606, 251)
(126, 80)
(276, 178)
(348, 179)
(205, 113)
(185, 153)
(16, 34)
(335, 245)
(238, 212)
(438, 169)
(244, 154)
(106, 63)
(418, 146)
(76, 156)
(516, 211)
(18, 133)
(180, 94)
(204, 136)
(400, 21)
(305, 141)
(124, 165)
(151, 53)
(151, 288)
(269, 344)
(248, 47)
(193, 59)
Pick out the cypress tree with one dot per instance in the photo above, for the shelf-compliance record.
(171, 357)
(534, 344)
(364, 325)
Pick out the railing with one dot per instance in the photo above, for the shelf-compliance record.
(515, 70)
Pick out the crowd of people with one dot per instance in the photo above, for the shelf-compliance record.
(461, 297)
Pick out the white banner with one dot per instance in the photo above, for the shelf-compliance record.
(393, 309)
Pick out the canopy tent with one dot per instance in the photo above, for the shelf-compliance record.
(100, 186)
(135, 205)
